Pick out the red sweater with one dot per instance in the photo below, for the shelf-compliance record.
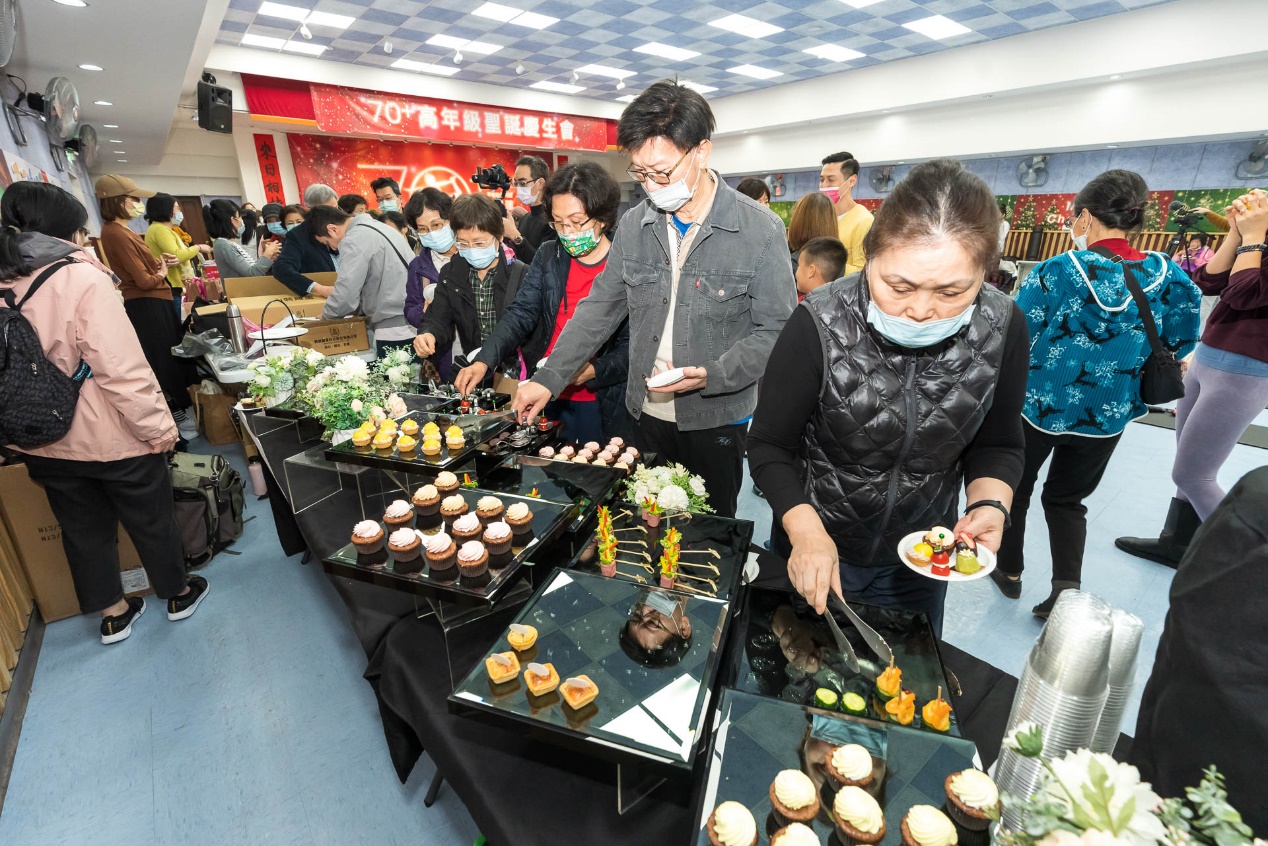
(1239, 322)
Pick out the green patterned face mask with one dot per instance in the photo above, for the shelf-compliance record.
(580, 244)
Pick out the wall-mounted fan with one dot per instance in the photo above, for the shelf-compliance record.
(882, 179)
(1256, 164)
(60, 105)
(84, 145)
(8, 29)
(1033, 172)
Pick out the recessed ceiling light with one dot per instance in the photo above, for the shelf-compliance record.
(937, 27)
(665, 51)
(497, 12)
(110, 126)
(561, 87)
(743, 25)
(755, 72)
(506, 14)
(482, 48)
(91, 67)
(834, 53)
(281, 10)
(268, 42)
(627, 98)
(304, 47)
(331, 20)
(122, 161)
(859, 4)
(115, 141)
(697, 87)
(78, 4)
(102, 103)
(532, 20)
(604, 70)
(424, 67)
(1112, 146)
(120, 152)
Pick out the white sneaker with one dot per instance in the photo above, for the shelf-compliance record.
(188, 428)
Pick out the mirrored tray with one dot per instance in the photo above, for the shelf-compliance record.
(754, 738)
(548, 522)
(787, 652)
(583, 485)
(653, 682)
(476, 428)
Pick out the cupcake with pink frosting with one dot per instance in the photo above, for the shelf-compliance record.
(497, 539)
(406, 546)
(465, 528)
(473, 562)
(399, 515)
(368, 538)
(442, 557)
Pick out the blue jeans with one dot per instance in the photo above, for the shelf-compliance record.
(178, 299)
(581, 421)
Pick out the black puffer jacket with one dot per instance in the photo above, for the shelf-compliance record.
(882, 452)
(529, 322)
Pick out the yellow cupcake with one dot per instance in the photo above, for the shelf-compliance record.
(362, 438)
(388, 424)
(455, 443)
(453, 432)
(430, 428)
(431, 446)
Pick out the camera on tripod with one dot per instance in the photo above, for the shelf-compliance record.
(492, 179)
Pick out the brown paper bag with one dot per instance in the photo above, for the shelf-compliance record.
(214, 413)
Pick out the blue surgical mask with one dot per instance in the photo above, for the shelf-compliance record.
(291, 226)
(178, 218)
(276, 227)
(916, 334)
(389, 205)
(481, 257)
(441, 240)
(242, 227)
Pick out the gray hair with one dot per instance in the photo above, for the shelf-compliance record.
(318, 194)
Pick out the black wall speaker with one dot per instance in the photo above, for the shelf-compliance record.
(215, 106)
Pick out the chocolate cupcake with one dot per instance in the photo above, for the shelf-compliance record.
(497, 539)
(405, 545)
(851, 766)
(858, 817)
(368, 538)
(399, 515)
(426, 502)
(473, 564)
(972, 798)
(489, 509)
(442, 557)
(793, 798)
(451, 508)
(446, 483)
(732, 824)
(465, 528)
(520, 519)
(925, 825)
(796, 834)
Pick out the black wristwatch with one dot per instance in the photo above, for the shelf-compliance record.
(993, 503)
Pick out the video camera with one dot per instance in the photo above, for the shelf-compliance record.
(493, 178)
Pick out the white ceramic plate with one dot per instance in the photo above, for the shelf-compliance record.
(278, 334)
(984, 555)
(664, 380)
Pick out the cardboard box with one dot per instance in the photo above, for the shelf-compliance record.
(335, 337)
(37, 537)
(268, 286)
(253, 308)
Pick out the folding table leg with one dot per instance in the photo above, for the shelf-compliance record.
(433, 789)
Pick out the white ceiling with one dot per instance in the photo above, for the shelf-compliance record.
(146, 47)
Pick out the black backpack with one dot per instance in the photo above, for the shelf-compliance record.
(209, 497)
(37, 400)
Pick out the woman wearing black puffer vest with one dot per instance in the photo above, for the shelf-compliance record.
(887, 391)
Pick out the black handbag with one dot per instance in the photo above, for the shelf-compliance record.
(1161, 377)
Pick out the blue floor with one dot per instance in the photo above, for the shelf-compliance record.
(250, 724)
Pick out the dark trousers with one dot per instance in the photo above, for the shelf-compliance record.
(580, 420)
(90, 499)
(890, 586)
(1078, 463)
(715, 455)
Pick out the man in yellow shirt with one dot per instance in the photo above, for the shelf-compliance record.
(837, 178)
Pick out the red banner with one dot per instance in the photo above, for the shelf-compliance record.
(349, 164)
(349, 110)
(270, 172)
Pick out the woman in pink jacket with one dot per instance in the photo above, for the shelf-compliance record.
(110, 468)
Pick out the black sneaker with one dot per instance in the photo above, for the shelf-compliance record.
(1011, 588)
(117, 628)
(180, 607)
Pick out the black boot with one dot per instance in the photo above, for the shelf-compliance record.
(1170, 546)
(1043, 609)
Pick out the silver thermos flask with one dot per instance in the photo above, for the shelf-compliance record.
(237, 334)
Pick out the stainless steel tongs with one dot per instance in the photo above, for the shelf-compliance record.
(870, 635)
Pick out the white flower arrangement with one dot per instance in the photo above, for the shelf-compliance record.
(672, 488)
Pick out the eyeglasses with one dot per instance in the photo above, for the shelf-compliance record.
(567, 226)
(644, 176)
(434, 227)
(471, 245)
(522, 183)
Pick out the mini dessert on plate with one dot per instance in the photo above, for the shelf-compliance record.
(406, 444)
(925, 825)
(502, 667)
(454, 439)
(404, 545)
(581, 458)
(473, 560)
(797, 834)
(521, 637)
(920, 554)
(489, 509)
(446, 482)
(399, 515)
(541, 678)
(362, 438)
(850, 765)
(937, 713)
(442, 557)
(890, 682)
(409, 427)
(616, 443)
(593, 446)
(902, 708)
(966, 560)
(430, 428)
(793, 797)
(732, 824)
(453, 507)
(567, 452)
(384, 440)
(578, 692)
(431, 446)
(466, 527)
(546, 452)
(972, 799)
(858, 817)
(497, 537)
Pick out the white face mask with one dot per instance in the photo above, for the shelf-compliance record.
(915, 334)
(524, 194)
(1080, 241)
(675, 195)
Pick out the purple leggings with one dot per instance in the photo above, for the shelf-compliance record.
(1215, 411)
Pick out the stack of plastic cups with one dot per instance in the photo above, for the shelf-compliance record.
(1063, 688)
(1124, 650)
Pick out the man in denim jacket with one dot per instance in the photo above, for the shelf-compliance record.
(702, 274)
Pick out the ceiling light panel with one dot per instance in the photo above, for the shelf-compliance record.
(424, 67)
(755, 72)
(697, 87)
(269, 43)
(532, 20)
(560, 87)
(743, 25)
(282, 10)
(860, 4)
(937, 27)
(603, 70)
(497, 12)
(330, 20)
(834, 53)
(304, 47)
(627, 98)
(482, 48)
(665, 51)
(506, 14)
